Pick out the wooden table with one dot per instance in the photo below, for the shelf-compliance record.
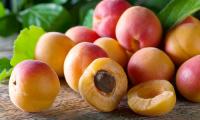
(69, 105)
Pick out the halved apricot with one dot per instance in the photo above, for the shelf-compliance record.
(103, 84)
(152, 98)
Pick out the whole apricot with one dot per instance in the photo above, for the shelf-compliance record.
(150, 64)
(152, 98)
(182, 42)
(113, 49)
(52, 49)
(188, 79)
(77, 60)
(106, 15)
(81, 34)
(138, 27)
(103, 84)
(33, 86)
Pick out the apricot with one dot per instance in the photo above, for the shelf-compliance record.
(150, 64)
(33, 86)
(188, 80)
(103, 84)
(113, 49)
(138, 27)
(106, 15)
(77, 60)
(152, 98)
(182, 42)
(81, 34)
(52, 49)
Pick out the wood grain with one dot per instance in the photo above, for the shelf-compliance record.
(70, 106)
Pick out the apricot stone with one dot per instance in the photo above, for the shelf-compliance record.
(77, 60)
(183, 41)
(150, 64)
(138, 27)
(188, 79)
(106, 15)
(152, 98)
(103, 84)
(81, 34)
(52, 49)
(33, 86)
(113, 49)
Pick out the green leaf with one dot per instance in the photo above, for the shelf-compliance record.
(9, 25)
(177, 10)
(2, 10)
(5, 69)
(24, 46)
(88, 19)
(17, 5)
(154, 5)
(51, 17)
(86, 8)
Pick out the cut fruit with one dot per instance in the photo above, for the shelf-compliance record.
(152, 98)
(103, 84)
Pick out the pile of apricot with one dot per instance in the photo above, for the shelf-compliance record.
(125, 41)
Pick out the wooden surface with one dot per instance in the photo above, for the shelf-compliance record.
(70, 106)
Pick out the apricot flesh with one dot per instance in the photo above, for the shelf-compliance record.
(113, 49)
(77, 60)
(52, 49)
(103, 84)
(152, 98)
(33, 86)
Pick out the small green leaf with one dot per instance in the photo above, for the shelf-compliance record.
(5, 69)
(9, 25)
(24, 46)
(88, 19)
(154, 5)
(177, 10)
(2, 10)
(51, 17)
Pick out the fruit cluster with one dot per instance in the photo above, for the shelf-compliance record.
(124, 39)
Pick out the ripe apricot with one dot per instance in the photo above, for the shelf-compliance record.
(106, 15)
(138, 27)
(187, 79)
(33, 86)
(113, 49)
(150, 64)
(103, 84)
(81, 34)
(152, 98)
(52, 49)
(182, 42)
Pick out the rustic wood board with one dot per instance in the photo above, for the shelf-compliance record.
(70, 106)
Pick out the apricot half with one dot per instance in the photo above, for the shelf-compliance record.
(33, 86)
(152, 98)
(103, 84)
